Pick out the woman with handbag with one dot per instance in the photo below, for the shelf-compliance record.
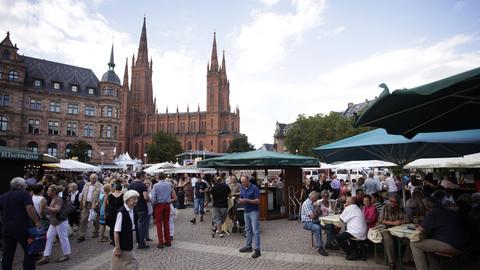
(58, 225)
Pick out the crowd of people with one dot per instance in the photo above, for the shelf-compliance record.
(448, 223)
(124, 204)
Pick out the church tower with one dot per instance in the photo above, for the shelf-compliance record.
(141, 85)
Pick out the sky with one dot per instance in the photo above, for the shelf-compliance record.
(283, 58)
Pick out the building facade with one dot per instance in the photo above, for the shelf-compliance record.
(46, 106)
(210, 130)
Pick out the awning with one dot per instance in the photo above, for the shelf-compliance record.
(19, 154)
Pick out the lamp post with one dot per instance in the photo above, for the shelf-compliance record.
(145, 157)
(101, 154)
(296, 151)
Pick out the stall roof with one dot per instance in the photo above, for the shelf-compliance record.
(259, 159)
(19, 154)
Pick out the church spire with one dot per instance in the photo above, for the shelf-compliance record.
(142, 56)
(125, 74)
(111, 64)
(214, 59)
(224, 67)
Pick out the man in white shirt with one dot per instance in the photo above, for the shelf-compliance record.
(356, 227)
(390, 183)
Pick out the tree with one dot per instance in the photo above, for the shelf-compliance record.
(240, 144)
(79, 150)
(164, 147)
(312, 131)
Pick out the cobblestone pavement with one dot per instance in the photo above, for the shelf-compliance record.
(285, 245)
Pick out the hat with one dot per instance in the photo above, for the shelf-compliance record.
(130, 194)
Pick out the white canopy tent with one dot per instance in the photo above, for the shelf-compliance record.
(159, 167)
(72, 166)
(360, 164)
(191, 169)
(468, 161)
(124, 160)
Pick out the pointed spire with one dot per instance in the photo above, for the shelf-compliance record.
(167, 110)
(177, 108)
(133, 60)
(224, 67)
(125, 74)
(151, 62)
(188, 108)
(6, 41)
(214, 59)
(111, 64)
(142, 56)
(198, 108)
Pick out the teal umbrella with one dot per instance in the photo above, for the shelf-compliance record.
(378, 144)
(259, 159)
(446, 105)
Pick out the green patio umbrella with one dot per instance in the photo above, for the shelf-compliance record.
(446, 105)
(259, 159)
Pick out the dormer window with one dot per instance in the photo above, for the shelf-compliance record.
(57, 85)
(37, 83)
(91, 91)
(109, 92)
(74, 88)
(6, 55)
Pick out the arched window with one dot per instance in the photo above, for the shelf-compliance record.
(189, 146)
(33, 146)
(3, 123)
(200, 146)
(52, 149)
(12, 75)
(136, 150)
(3, 143)
(68, 150)
(224, 146)
(88, 148)
(6, 55)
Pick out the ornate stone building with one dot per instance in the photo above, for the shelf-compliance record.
(211, 130)
(46, 106)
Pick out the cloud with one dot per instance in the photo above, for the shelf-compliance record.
(269, 3)
(334, 32)
(354, 82)
(264, 41)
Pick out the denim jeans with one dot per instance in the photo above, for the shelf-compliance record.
(252, 227)
(142, 228)
(330, 233)
(198, 206)
(316, 229)
(149, 219)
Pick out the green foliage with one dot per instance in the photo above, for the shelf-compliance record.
(312, 131)
(240, 144)
(79, 150)
(164, 147)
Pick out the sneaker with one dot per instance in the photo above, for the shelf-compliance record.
(201, 218)
(160, 246)
(42, 261)
(256, 254)
(322, 251)
(193, 221)
(168, 244)
(245, 249)
(63, 258)
(331, 246)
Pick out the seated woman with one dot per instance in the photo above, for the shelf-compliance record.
(326, 207)
(369, 211)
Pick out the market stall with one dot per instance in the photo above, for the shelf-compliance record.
(278, 193)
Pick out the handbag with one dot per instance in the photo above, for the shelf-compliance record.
(67, 209)
(375, 233)
(37, 238)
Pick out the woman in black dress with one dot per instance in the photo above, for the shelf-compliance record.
(113, 203)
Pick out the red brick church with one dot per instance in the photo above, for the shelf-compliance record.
(211, 130)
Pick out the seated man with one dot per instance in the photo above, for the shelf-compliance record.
(310, 221)
(444, 230)
(391, 215)
(356, 227)
(326, 207)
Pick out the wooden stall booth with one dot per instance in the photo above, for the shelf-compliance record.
(275, 189)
